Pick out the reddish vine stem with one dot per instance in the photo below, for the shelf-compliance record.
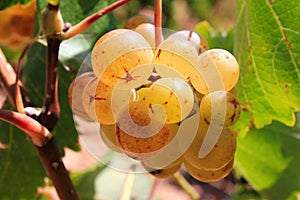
(51, 110)
(84, 24)
(52, 162)
(7, 79)
(38, 133)
(158, 21)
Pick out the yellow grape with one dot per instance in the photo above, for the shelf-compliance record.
(208, 175)
(138, 134)
(174, 95)
(220, 155)
(165, 172)
(218, 70)
(75, 94)
(217, 98)
(88, 98)
(179, 53)
(103, 106)
(181, 137)
(115, 56)
(147, 30)
(109, 136)
(138, 20)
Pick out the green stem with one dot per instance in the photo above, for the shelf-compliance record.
(186, 186)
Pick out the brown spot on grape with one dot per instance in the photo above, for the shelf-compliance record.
(166, 102)
(206, 121)
(158, 53)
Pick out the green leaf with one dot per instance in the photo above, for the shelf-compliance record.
(215, 39)
(73, 51)
(269, 159)
(6, 4)
(33, 76)
(267, 49)
(21, 170)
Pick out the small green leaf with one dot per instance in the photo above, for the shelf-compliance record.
(215, 39)
(269, 159)
(21, 170)
(267, 49)
(6, 4)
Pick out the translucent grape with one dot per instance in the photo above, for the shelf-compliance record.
(109, 136)
(174, 95)
(148, 32)
(103, 107)
(179, 53)
(116, 53)
(208, 175)
(165, 172)
(137, 20)
(138, 141)
(75, 94)
(218, 70)
(88, 98)
(220, 155)
(233, 108)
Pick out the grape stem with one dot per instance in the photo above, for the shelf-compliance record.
(87, 22)
(158, 21)
(186, 186)
(7, 79)
(38, 133)
(18, 93)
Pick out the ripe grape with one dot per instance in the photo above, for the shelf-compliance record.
(217, 70)
(138, 134)
(138, 20)
(109, 136)
(118, 52)
(205, 175)
(103, 106)
(174, 95)
(178, 53)
(181, 137)
(88, 98)
(148, 32)
(221, 153)
(75, 94)
(165, 172)
(216, 98)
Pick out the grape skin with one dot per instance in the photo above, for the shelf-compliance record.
(233, 108)
(88, 98)
(165, 172)
(217, 70)
(75, 94)
(222, 152)
(137, 20)
(175, 95)
(145, 147)
(109, 137)
(204, 175)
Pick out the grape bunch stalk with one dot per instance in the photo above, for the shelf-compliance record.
(165, 106)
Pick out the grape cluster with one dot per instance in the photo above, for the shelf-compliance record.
(164, 106)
